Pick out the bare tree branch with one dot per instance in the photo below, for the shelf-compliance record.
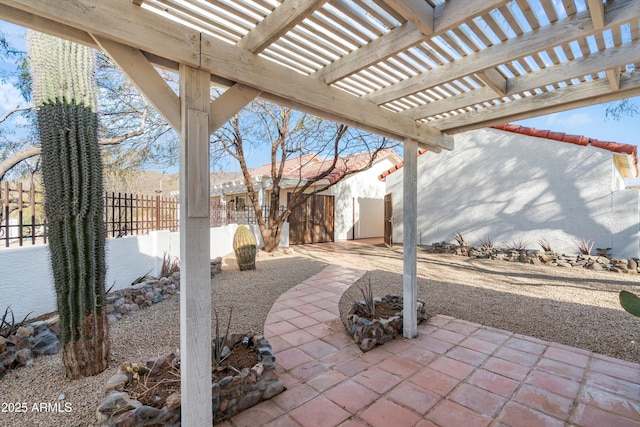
(28, 153)
(7, 164)
(119, 139)
(10, 112)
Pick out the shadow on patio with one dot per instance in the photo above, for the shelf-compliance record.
(456, 373)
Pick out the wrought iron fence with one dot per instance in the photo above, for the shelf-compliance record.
(22, 218)
(131, 214)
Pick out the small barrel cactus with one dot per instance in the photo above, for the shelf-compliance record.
(244, 246)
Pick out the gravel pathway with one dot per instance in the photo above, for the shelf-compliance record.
(576, 307)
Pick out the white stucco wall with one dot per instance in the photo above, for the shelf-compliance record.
(26, 281)
(350, 216)
(511, 187)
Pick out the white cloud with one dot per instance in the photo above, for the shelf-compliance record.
(568, 119)
(10, 97)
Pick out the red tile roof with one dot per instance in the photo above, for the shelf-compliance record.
(310, 165)
(615, 147)
(391, 170)
(291, 165)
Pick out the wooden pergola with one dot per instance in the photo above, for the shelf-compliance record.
(416, 71)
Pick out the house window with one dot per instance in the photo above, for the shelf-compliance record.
(240, 202)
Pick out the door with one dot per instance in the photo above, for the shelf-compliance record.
(312, 221)
(388, 220)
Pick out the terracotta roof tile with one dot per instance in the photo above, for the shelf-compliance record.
(392, 169)
(615, 147)
(311, 165)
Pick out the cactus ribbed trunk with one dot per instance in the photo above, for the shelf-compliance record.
(65, 97)
(244, 247)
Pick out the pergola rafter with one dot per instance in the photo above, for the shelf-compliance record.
(416, 71)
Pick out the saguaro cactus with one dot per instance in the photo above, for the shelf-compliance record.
(65, 97)
(244, 246)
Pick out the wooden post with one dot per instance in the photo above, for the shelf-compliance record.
(195, 276)
(409, 241)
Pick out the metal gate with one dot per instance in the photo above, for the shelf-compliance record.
(388, 220)
(312, 221)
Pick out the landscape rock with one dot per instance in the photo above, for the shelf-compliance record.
(231, 394)
(532, 256)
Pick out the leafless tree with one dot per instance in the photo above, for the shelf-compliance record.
(294, 139)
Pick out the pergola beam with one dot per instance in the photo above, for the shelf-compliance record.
(613, 75)
(233, 63)
(419, 13)
(555, 34)
(561, 99)
(446, 16)
(611, 60)
(123, 22)
(286, 16)
(44, 25)
(596, 10)
(145, 78)
(496, 81)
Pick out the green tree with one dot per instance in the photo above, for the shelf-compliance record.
(64, 94)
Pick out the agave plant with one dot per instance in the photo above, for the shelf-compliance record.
(368, 303)
(9, 327)
(219, 341)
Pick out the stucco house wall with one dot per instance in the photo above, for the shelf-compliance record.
(511, 187)
(359, 203)
(358, 198)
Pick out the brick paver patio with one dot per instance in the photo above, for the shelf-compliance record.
(455, 373)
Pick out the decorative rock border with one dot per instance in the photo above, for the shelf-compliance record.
(125, 302)
(231, 394)
(28, 342)
(370, 333)
(533, 256)
(216, 266)
(41, 337)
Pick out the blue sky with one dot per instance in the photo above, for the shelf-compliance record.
(590, 121)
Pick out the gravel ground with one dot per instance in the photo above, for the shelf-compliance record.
(148, 333)
(572, 306)
(576, 307)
